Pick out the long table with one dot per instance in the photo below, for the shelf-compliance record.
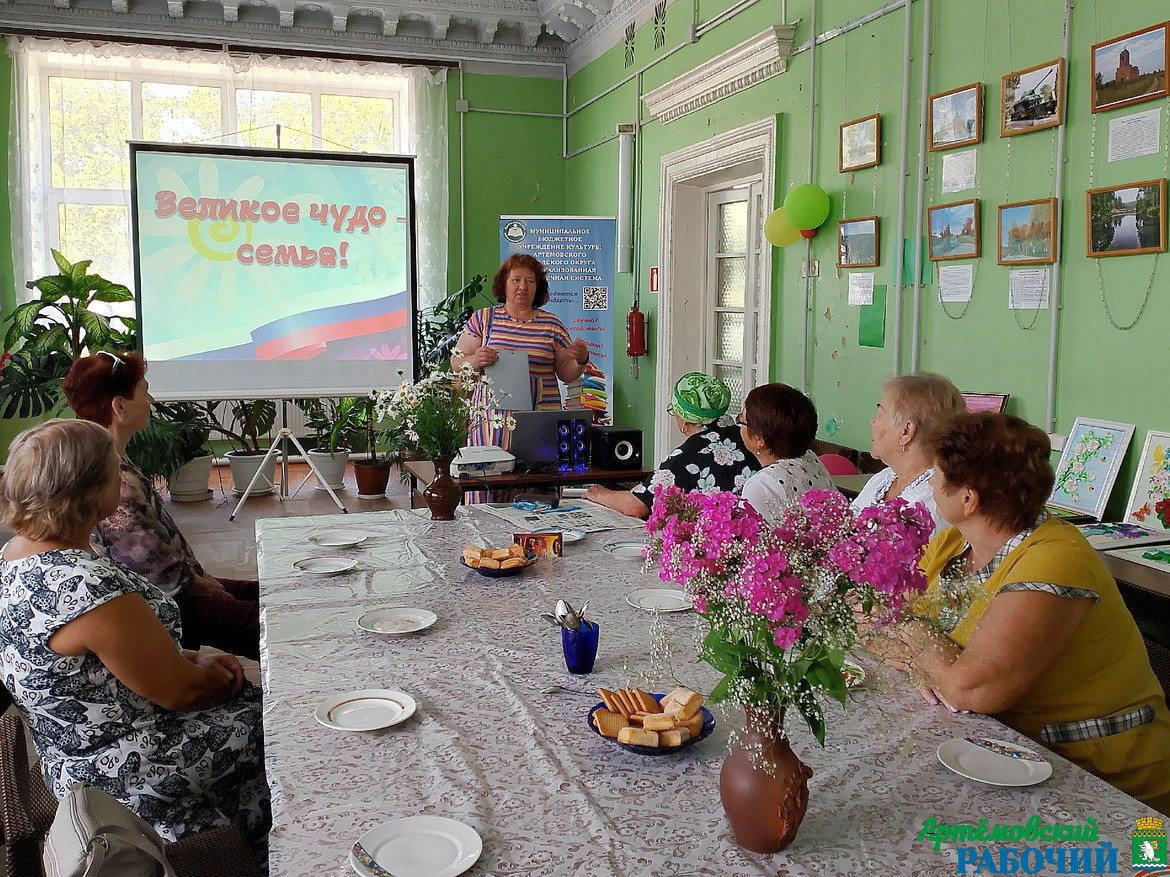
(490, 747)
(423, 471)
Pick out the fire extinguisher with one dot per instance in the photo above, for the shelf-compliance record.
(635, 332)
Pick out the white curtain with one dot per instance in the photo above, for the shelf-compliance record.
(39, 185)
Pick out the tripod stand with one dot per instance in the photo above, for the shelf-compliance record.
(286, 433)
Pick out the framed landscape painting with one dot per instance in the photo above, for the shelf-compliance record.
(861, 143)
(956, 117)
(1089, 464)
(954, 231)
(1032, 99)
(1126, 220)
(1027, 233)
(1130, 68)
(857, 243)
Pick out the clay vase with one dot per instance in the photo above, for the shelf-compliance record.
(764, 786)
(443, 495)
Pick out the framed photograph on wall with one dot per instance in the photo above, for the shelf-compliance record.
(1125, 220)
(861, 143)
(954, 231)
(1089, 465)
(956, 117)
(1130, 68)
(857, 243)
(1026, 232)
(1032, 99)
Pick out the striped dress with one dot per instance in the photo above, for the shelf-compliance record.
(540, 338)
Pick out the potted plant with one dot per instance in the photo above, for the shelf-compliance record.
(386, 447)
(439, 327)
(58, 326)
(175, 446)
(338, 424)
(248, 421)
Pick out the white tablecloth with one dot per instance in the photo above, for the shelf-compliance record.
(546, 794)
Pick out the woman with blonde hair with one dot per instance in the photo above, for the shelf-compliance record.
(912, 406)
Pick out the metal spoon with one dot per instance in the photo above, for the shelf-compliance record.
(551, 619)
(581, 614)
(562, 610)
(572, 621)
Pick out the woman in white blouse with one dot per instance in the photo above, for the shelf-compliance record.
(911, 407)
(778, 424)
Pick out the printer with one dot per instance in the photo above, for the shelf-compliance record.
(482, 460)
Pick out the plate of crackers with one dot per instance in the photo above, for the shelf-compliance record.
(651, 724)
(497, 563)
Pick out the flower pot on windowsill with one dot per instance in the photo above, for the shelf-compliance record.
(331, 466)
(372, 477)
(244, 467)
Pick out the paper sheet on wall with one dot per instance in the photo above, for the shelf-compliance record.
(955, 282)
(589, 518)
(1134, 135)
(958, 171)
(871, 323)
(861, 288)
(908, 249)
(1029, 289)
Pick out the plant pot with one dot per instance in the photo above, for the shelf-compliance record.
(188, 483)
(443, 495)
(331, 467)
(372, 478)
(764, 786)
(244, 467)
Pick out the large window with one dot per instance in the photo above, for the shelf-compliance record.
(81, 104)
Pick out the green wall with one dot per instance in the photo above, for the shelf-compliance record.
(984, 347)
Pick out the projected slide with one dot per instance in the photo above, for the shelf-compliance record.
(271, 272)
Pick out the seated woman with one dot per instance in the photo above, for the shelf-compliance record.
(111, 390)
(778, 425)
(90, 652)
(712, 457)
(1022, 620)
(911, 406)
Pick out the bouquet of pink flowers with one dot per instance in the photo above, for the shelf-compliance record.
(783, 602)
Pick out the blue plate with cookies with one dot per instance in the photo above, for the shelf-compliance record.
(617, 719)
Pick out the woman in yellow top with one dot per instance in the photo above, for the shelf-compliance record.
(1021, 619)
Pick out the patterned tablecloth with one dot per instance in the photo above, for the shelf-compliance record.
(546, 794)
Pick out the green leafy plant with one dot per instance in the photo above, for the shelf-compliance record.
(178, 432)
(439, 327)
(337, 423)
(248, 422)
(60, 325)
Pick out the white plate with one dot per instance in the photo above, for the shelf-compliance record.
(420, 846)
(660, 600)
(325, 566)
(339, 538)
(572, 535)
(397, 619)
(626, 548)
(979, 763)
(366, 710)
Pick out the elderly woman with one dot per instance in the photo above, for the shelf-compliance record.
(90, 652)
(712, 456)
(111, 389)
(911, 406)
(1023, 622)
(778, 424)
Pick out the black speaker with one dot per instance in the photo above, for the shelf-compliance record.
(573, 443)
(616, 447)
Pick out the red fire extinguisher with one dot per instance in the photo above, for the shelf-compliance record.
(635, 332)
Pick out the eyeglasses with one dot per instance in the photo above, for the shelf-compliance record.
(670, 410)
(117, 360)
(741, 421)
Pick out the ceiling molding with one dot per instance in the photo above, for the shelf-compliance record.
(753, 61)
(609, 31)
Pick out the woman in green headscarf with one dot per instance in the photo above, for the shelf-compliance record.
(712, 456)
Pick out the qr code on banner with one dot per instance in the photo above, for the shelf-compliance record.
(594, 298)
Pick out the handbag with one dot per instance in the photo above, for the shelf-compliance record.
(93, 835)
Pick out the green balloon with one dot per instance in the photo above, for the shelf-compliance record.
(778, 230)
(807, 206)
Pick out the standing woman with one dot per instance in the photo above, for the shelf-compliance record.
(517, 323)
(911, 407)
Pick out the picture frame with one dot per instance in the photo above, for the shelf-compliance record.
(1151, 485)
(956, 117)
(1154, 556)
(860, 144)
(1089, 465)
(1116, 67)
(857, 243)
(1026, 232)
(996, 402)
(1032, 99)
(953, 231)
(1110, 229)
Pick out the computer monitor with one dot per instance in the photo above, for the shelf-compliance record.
(535, 440)
(996, 402)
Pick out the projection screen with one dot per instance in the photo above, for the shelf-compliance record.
(272, 273)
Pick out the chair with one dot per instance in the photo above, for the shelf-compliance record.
(27, 808)
(1160, 662)
(838, 465)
